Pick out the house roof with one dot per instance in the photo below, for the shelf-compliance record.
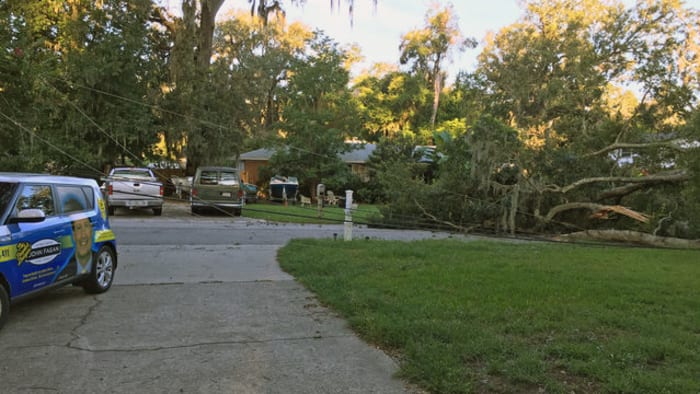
(258, 154)
(360, 154)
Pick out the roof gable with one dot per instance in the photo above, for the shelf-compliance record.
(360, 154)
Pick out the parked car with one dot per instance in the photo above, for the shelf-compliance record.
(54, 231)
(133, 187)
(216, 188)
(250, 192)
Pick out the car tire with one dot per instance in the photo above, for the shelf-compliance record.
(158, 211)
(101, 276)
(236, 211)
(4, 305)
(195, 210)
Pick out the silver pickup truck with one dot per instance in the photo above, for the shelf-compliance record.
(133, 187)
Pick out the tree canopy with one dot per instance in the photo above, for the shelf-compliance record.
(583, 114)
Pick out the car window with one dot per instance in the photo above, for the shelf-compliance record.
(6, 193)
(131, 172)
(208, 178)
(229, 178)
(36, 197)
(75, 198)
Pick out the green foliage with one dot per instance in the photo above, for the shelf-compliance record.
(389, 153)
(256, 60)
(82, 68)
(319, 116)
(391, 104)
(554, 76)
(426, 50)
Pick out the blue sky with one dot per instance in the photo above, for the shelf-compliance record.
(378, 31)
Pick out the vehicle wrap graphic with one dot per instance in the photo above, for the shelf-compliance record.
(104, 235)
(103, 210)
(39, 253)
(8, 253)
(23, 250)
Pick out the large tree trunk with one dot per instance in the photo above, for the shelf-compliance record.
(207, 24)
(633, 237)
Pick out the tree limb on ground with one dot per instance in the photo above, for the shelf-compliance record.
(450, 224)
(634, 237)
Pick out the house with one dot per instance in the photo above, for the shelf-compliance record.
(249, 163)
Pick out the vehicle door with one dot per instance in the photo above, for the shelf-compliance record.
(77, 209)
(208, 189)
(230, 185)
(40, 249)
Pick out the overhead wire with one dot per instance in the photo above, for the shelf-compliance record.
(404, 222)
(47, 142)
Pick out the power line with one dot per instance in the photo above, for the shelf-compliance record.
(47, 142)
(151, 106)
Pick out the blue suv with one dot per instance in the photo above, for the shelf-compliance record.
(54, 231)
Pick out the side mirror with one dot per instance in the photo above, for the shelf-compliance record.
(28, 216)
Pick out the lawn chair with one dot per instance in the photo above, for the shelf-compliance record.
(331, 199)
(305, 201)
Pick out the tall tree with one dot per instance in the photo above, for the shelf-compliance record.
(426, 50)
(318, 116)
(193, 37)
(256, 59)
(552, 76)
(83, 66)
(391, 103)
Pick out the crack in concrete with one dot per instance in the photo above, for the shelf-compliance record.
(83, 321)
(214, 343)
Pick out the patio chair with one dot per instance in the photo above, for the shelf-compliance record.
(331, 199)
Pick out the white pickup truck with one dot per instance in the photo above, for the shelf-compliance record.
(133, 187)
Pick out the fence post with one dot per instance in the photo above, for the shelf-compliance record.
(348, 215)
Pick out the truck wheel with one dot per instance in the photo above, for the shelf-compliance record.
(4, 305)
(158, 211)
(110, 211)
(101, 276)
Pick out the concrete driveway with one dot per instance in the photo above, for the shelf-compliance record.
(190, 317)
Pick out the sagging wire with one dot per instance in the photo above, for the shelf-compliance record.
(48, 143)
(151, 106)
(403, 224)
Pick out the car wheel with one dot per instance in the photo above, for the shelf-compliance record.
(4, 305)
(158, 211)
(101, 276)
(195, 210)
(236, 211)
(110, 211)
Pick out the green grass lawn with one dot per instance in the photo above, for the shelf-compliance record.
(528, 317)
(278, 212)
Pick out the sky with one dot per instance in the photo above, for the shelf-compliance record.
(378, 30)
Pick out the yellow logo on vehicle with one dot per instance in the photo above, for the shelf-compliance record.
(104, 235)
(7, 253)
(23, 250)
(101, 204)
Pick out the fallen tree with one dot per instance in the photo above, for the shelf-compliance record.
(631, 237)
